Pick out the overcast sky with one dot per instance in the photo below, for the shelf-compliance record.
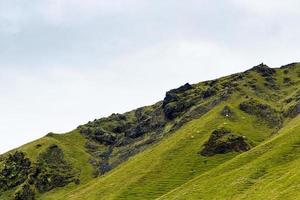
(65, 62)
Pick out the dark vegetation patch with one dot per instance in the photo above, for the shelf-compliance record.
(287, 80)
(25, 192)
(270, 82)
(223, 141)
(293, 111)
(52, 170)
(263, 111)
(15, 171)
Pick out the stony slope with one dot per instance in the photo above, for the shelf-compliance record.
(224, 139)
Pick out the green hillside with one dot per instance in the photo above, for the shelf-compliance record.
(236, 137)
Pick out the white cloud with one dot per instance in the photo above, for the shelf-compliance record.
(270, 8)
(64, 62)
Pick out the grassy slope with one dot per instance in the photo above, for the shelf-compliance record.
(73, 146)
(172, 162)
(174, 169)
(269, 171)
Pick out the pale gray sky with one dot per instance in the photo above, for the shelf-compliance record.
(65, 62)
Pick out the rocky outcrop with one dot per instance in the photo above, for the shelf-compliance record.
(263, 111)
(264, 70)
(223, 141)
(174, 109)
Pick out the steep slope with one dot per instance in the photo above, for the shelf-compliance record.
(217, 139)
(269, 171)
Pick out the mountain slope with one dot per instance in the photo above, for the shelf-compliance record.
(269, 171)
(229, 138)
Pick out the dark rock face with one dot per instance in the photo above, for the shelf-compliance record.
(16, 169)
(174, 105)
(174, 109)
(265, 112)
(181, 89)
(26, 192)
(53, 170)
(223, 141)
(264, 70)
(172, 95)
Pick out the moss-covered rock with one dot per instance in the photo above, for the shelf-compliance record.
(223, 141)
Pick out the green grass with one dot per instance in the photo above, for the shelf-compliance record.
(173, 167)
(269, 171)
(172, 162)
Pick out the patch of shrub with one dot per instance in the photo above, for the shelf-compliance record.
(16, 169)
(53, 170)
(26, 192)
